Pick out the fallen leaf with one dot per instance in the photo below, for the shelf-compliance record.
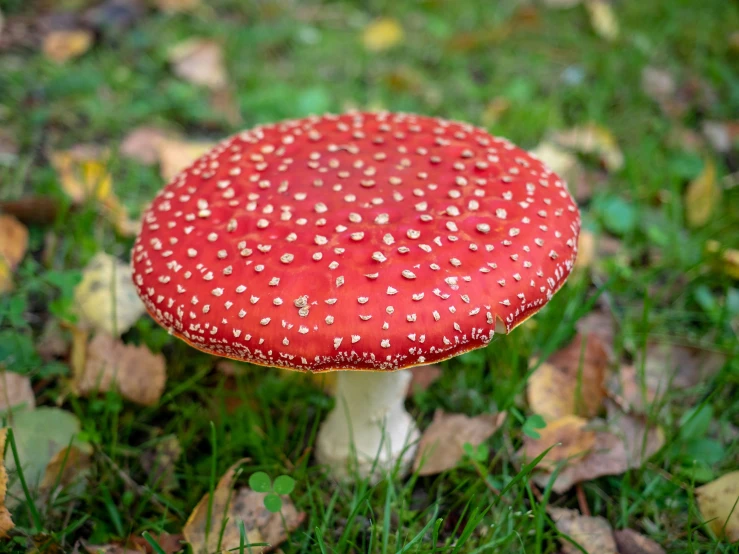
(31, 209)
(629, 391)
(176, 6)
(83, 172)
(719, 505)
(382, 34)
(603, 19)
(593, 534)
(175, 155)
(599, 323)
(568, 436)
(702, 196)
(142, 144)
(40, 435)
(592, 139)
(67, 468)
(245, 505)
(106, 299)
(631, 542)
(623, 442)
(13, 246)
(133, 370)
(729, 258)
(15, 391)
(679, 367)
(223, 101)
(560, 160)
(6, 523)
(585, 251)
(659, 84)
(112, 548)
(63, 45)
(722, 135)
(168, 543)
(159, 462)
(571, 381)
(199, 61)
(441, 445)
(422, 377)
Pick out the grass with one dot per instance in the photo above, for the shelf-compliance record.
(287, 59)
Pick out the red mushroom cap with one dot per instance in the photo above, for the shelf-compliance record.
(360, 241)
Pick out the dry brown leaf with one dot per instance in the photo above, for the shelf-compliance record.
(571, 381)
(719, 505)
(729, 258)
(69, 465)
(106, 299)
(13, 246)
(679, 367)
(6, 523)
(168, 543)
(422, 377)
(244, 505)
(630, 391)
(441, 445)
(177, 6)
(175, 155)
(603, 19)
(224, 102)
(142, 144)
(702, 196)
(382, 34)
(15, 391)
(631, 542)
(593, 534)
(133, 370)
(31, 209)
(722, 135)
(592, 139)
(63, 45)
(569, 437)
(599, 323)
(199, 61)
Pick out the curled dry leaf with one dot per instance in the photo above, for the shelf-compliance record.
(719, 505)
(106, 299)
(175, 155)
(702, 196)
(441, 445)
(569, 438)
(593, 534)
(63, 45)
(382, 34)
(13, 246)
(15, 391)
(603, 19)
(199, 61)
(631, 542)
(571, 381)
(6, 523)
(592, 139)
(624, 442)
(133, 370)
(232, 508)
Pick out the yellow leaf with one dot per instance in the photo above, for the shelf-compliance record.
(61, 46)
(106, 299)
(603, 19)
(719, 504)
(83, 172)
(382, 34)
(592, 138)
(702, 196)
(6, 523)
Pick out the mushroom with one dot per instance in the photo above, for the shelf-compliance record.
(365, 243)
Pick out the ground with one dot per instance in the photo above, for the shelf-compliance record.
(523, 70)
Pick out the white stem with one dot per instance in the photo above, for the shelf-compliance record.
(369, 429)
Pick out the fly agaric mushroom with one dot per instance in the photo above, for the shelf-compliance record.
(365, 243)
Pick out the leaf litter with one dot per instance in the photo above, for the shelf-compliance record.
(719, 505)
(15, 391)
